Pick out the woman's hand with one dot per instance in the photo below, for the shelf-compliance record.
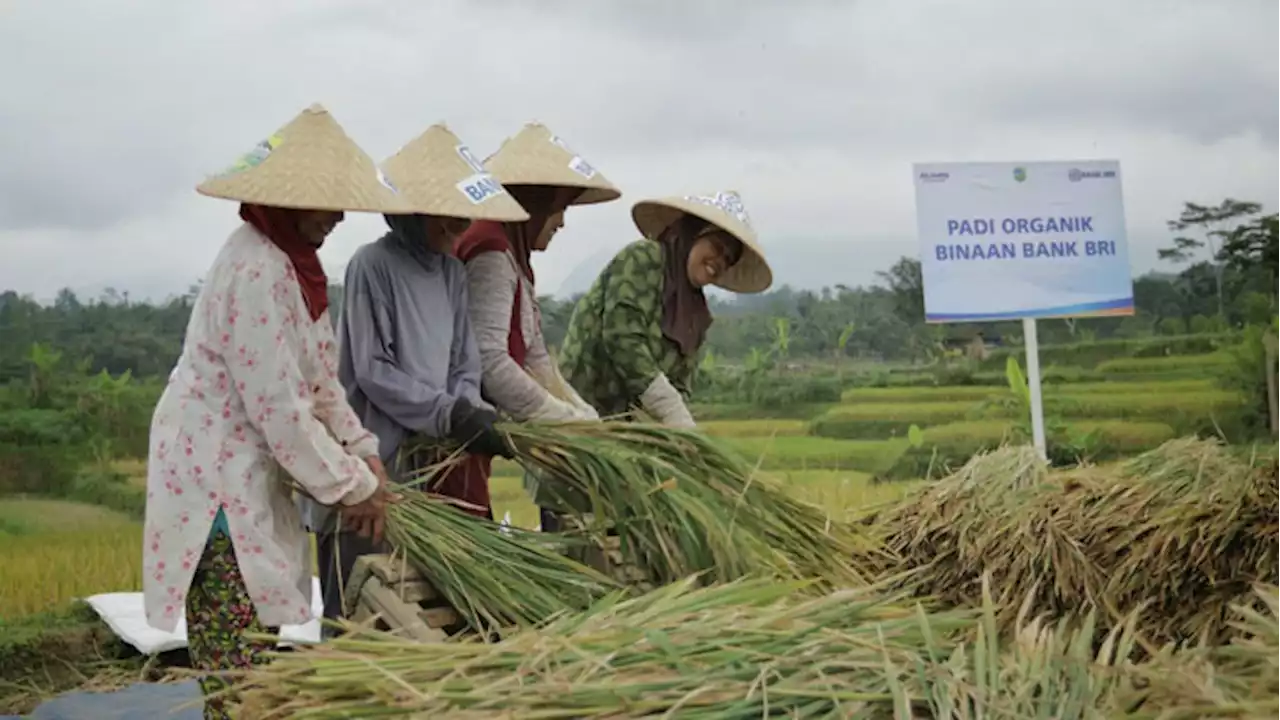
(379, 470)
(368, 518)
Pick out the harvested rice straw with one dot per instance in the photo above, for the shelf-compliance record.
(682, 503)
(751, 648)
(1182, 532)
(494, 578)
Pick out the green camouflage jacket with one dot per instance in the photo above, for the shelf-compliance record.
(615, 346)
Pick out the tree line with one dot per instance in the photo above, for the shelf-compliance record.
(1227, 279)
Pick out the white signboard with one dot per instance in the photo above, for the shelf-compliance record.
(1002, 241)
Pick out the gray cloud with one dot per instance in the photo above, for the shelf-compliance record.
(813, 109)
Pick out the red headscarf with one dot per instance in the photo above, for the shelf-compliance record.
(280, 225)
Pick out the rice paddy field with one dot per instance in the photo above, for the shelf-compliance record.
(837, 456)
(1030, 595)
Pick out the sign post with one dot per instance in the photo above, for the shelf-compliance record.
(1009, 241)
(1032, 344)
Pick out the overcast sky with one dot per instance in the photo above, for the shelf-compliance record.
(111, 111)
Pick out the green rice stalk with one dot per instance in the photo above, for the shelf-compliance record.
(747, 649)
(683, 503)
(494, 577)
(760, 648)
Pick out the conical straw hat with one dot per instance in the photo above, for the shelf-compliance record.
(309, 164)
(751, 274)
(535, 156)
(436, 174)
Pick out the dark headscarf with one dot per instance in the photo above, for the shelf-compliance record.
(685, 315)
(280, 226)
(541, 202)
(407, 228)
(410, 233)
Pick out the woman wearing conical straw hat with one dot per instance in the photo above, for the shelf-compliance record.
(253, 401)
(546, 177)
(408, 355)
(634, 338)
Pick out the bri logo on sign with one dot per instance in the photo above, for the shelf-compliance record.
(1076, 174)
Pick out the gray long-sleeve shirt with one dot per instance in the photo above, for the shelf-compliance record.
(405, 344)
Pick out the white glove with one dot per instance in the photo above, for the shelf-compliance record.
(663, 402)
(554, 410)
(585, 412)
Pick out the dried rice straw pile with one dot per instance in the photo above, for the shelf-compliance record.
(493, 577)
(682, 503)
(1182, 531)
(752, 648)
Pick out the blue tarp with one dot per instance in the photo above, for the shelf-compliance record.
(143, 701)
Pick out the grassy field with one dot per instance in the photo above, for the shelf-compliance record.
(54, 551)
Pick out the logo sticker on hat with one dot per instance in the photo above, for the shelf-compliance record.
(729, 203)
(480, 187)
(469, 158)
(386, 183)
(582, 167)
(254, 157)
(576, 163)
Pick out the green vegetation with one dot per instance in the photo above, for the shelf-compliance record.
(1165, 368)
(884, 420)
(947, 447)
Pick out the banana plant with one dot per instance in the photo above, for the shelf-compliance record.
(842, 342)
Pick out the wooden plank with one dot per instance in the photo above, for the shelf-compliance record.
(402, 617)
(393, 569)
(439, 617)
(360, 573)
(418, 591)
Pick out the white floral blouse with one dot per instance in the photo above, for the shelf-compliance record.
(253, 402)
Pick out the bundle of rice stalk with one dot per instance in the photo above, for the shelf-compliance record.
(493, 577)
(1157, 533)
(965, 525)
(1191, 529)
(751, 648)
(682, 503)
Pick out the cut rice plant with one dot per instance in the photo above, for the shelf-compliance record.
(759, 648)
(494, 577)
(747, 649)
(1180, 533)
(682, 504)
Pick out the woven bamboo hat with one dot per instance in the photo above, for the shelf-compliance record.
(436, 174)
(535, 156)
(751, 274)
(309, 164)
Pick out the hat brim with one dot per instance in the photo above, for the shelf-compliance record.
(751, 274)
(588, 196)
